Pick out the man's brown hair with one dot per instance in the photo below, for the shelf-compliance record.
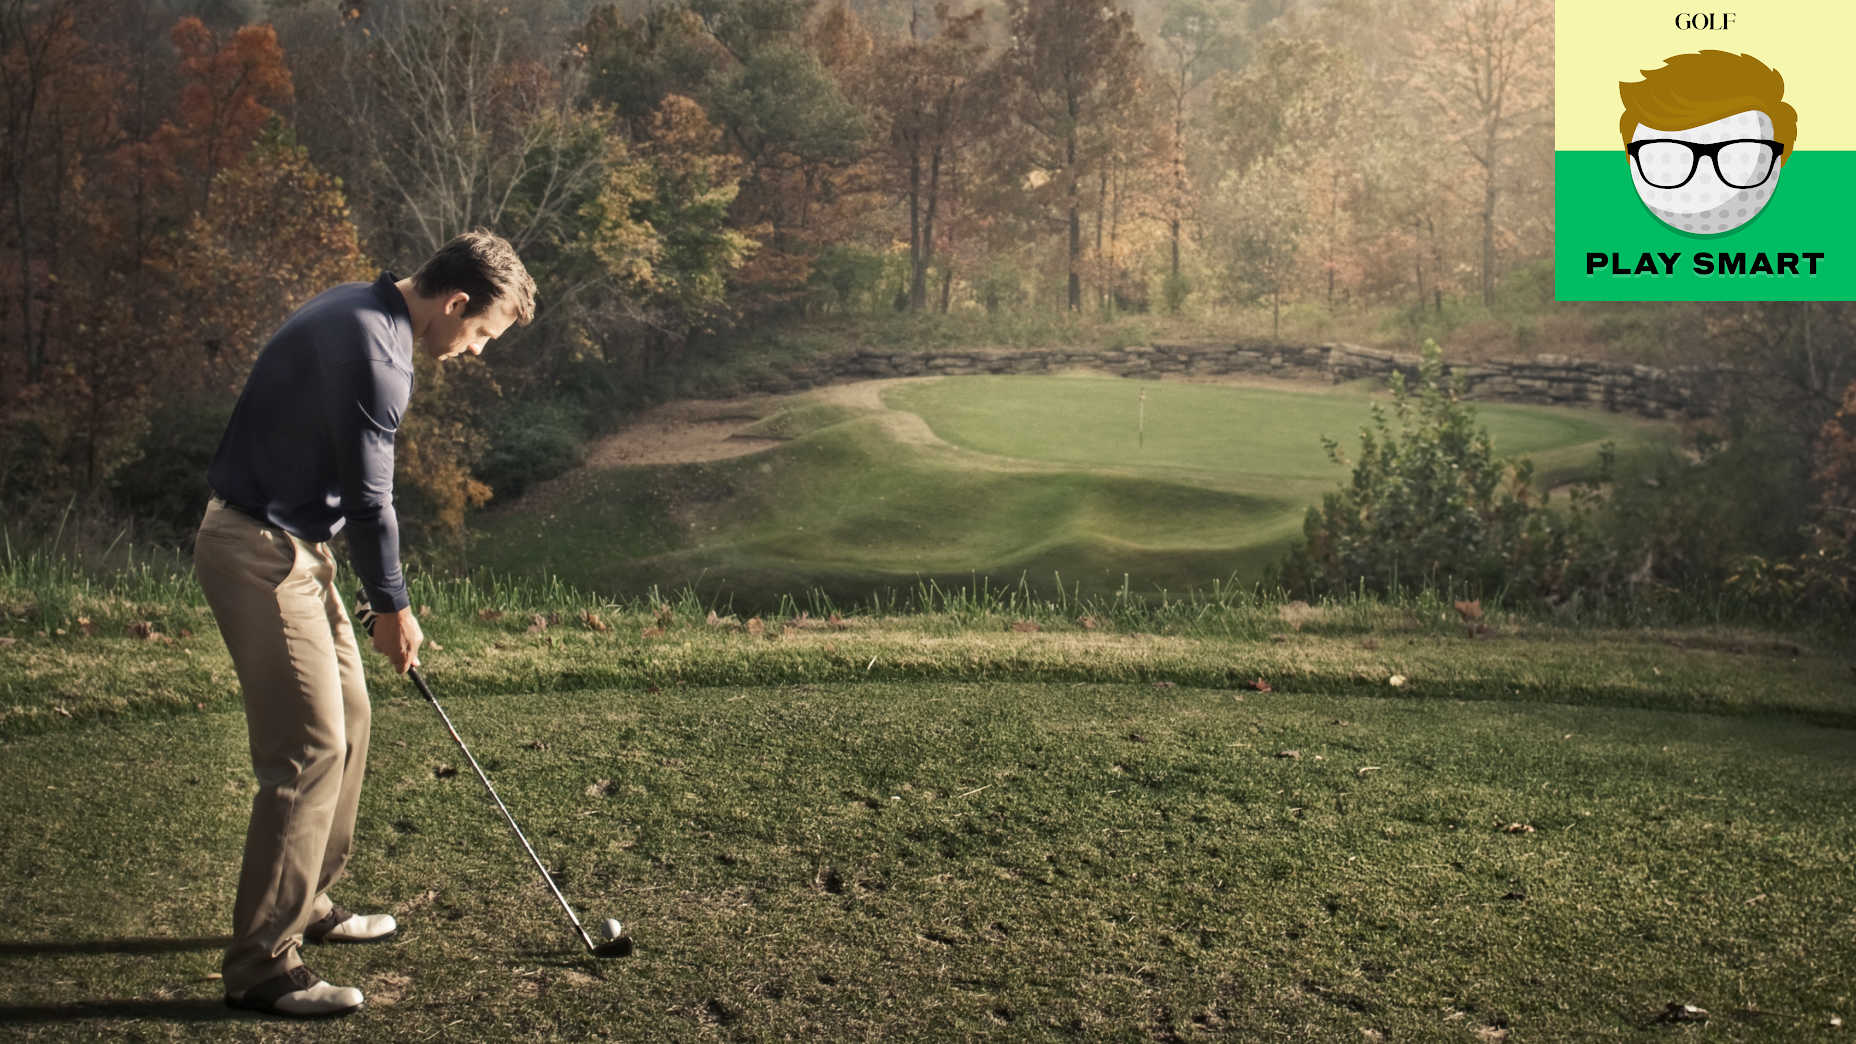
(483, 265)
(1693, 89)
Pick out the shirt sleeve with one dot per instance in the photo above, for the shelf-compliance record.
(365, 401)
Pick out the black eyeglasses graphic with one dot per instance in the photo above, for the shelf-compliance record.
(1743, 163)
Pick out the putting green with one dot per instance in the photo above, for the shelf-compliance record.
(1218, 431)
(992, 479)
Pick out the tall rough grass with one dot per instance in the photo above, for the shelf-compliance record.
(47, 589)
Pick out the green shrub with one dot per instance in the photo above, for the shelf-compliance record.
(164, 489)
(1430, 506)
(532, 442)
(845, 279)
(1174, 291)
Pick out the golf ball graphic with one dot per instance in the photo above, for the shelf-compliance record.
(1710, 201)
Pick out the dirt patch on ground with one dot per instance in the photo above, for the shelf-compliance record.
(685, 432)
(711, 429)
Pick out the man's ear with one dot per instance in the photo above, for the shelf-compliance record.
(461, 300)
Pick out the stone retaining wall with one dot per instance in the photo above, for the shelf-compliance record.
(1551, 379)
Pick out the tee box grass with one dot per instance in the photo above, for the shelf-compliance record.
(920, 828)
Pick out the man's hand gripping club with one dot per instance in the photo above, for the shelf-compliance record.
(396, 635)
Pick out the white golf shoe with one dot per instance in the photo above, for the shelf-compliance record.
(298, 994)
(340, 926)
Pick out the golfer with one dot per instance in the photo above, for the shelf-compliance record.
(307, 453)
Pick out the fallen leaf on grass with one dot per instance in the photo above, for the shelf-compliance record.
(1292, 755)
(1025, 626)
(1397, 681)
(1682, 1013)
(489, 615)
(9, 641)
(1260, 686)
(839, 622)
(1469, 610)
(756, 628)
(143, 629)
(84, 625)
(593, 622)
(537, 623)
(653, 632)
(1089, 624)
(600, 789)
(1518, 828)
(665, 615)
(1492, 1033)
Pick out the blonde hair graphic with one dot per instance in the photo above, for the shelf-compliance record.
(1693, 89)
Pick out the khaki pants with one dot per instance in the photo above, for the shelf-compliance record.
(307, 714)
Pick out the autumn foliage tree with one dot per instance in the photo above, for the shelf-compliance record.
(136, 203)
(230, 89)
(1072, 70)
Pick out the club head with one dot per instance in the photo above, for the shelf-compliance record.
(619, 947)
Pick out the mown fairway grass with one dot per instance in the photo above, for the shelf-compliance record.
(1042, 479)
(942, 828)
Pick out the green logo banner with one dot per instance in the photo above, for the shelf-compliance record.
(1704, 157)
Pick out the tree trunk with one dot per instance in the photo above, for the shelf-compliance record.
(1076, 225)
(947, 269)
(1102, 276)
(1488, 225)
(23, 229)
(918, 272)
(934, 201)
(1437, 265)
(1418, 262)
(1179, 170)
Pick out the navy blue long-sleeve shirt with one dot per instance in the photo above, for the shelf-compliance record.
(309, 447)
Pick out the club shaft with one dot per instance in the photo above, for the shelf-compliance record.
(546, 878)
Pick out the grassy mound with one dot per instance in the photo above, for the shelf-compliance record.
(991, 479)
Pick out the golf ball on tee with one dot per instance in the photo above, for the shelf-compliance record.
(612, 928)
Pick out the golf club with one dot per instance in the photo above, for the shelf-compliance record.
(617, 944)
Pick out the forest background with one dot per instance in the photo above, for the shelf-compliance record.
(696, 181)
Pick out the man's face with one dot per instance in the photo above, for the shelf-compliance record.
(1720, 193)
(453, 333)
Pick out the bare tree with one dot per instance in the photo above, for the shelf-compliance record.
(1488, 75)
(460, 122)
